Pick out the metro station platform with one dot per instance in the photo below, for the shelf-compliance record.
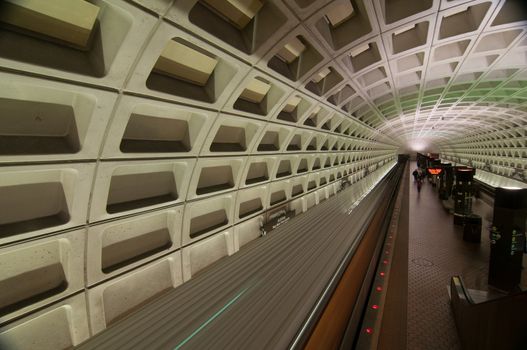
(437, 252)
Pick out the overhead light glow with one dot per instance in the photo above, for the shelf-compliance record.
(417, 146)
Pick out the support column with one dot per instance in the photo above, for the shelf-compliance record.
(463, 194)
(446, 178)
(507, 238)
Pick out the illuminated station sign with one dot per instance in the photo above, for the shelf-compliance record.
(434, 171)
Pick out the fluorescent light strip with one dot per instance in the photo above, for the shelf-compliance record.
(404, 29)
(321, 75)
(456, 11)
(359, 49)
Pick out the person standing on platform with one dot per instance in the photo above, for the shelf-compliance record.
(422, 175)
(419, 184)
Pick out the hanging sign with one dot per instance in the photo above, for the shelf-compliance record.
(434, 171)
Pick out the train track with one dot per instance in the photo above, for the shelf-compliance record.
(264, 296)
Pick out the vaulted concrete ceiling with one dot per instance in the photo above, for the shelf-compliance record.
(430, 70)
(430, 74)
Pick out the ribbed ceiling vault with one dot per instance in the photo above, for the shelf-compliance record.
(441, 71)
(433, 74)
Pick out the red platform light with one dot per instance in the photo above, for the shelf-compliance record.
(375, 307)
(385, 262)
(378, 289)
(369, 330)
(381, 274)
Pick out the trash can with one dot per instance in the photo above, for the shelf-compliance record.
(472, 228)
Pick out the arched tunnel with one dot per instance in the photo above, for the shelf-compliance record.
(201, 173)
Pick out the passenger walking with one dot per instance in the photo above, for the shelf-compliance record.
(415, 174)
(419, 184)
